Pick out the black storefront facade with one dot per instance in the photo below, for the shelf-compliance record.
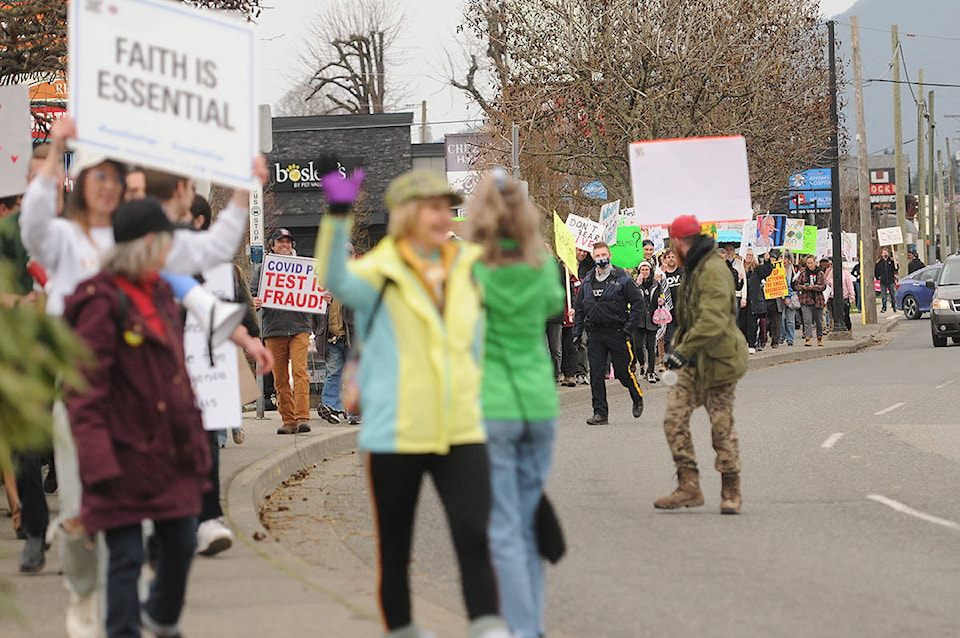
(294, 199)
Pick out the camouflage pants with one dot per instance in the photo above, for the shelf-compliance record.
(684, 398)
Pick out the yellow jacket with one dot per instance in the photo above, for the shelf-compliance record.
(419, 370)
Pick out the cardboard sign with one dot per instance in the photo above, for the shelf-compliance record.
(749, 239)
(628, 251)
(707, 177)
(809, 240)
(775, 285)
(608, 221)
(585, 232)
(15, 146)
(793, 236)
(848, 246)
(185, 104)
(656, 234)
(627, 217)
(770, 230)
(289, 283)
(217, 386)
(564, 244)
(824, 243)
(890, 236)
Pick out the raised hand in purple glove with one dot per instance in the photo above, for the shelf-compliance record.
(342, 191)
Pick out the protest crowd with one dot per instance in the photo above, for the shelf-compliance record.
(447, 351)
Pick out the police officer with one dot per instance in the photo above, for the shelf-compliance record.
(710, 355)
(610, 306)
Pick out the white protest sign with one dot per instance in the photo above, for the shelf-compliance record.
(848, 246)
(890, 236)
(585, 231)
(749, 240)
(627, 217)
(15, 146)
(185, 104)
(608, 221)
(289, 283)
(656, 234)
(824, 243)
(707, 177)
(793, 238)
(217, 386)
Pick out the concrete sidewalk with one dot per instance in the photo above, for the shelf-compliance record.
(258, 587)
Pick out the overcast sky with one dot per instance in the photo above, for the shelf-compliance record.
(430, 28)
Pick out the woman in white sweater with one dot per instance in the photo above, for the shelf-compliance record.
(71, 248)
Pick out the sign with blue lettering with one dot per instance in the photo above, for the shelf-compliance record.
(812, 179)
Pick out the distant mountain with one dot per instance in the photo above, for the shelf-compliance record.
(936, 49)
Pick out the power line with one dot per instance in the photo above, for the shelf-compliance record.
(907, 35)
(949, 86)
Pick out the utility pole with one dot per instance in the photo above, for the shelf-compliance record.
(423, 122)
(951, 205)
(837, 311)
(901, 170)
(931, 185)
(921, 175)
(945, 242)
(863, 182)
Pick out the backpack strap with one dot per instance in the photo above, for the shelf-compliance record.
(376, 306)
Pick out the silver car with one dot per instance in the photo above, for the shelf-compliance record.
(945, 307)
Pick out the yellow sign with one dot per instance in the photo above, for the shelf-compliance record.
(776, 283)
(563, 243)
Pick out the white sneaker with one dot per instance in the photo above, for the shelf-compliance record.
(213, 537)
(752, 350)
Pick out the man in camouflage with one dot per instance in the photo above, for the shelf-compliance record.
(710, 356)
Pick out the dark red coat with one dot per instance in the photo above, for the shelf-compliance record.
(142, 449)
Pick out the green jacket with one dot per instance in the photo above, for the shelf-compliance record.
(12, 250)
(518, 382)
(706, 311)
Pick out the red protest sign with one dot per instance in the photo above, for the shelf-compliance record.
(289, 283)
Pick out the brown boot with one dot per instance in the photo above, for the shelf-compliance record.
(687, 494)
(819, 341)
(730, 498)
(806, 342)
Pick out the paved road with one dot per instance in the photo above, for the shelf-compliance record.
(851, 523)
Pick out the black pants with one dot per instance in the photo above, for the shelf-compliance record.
(645, 341)
(668, 337)
(774, 321)
(616, 345)
(555, 346)
(210, 500)
(753, 327)
(570, 362)
(35, 516)
(176, 543)
(462, 479)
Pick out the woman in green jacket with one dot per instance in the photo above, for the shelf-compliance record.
(519, 397)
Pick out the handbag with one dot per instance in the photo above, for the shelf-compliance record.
(793, 301)
(351, 369)
(550, 541)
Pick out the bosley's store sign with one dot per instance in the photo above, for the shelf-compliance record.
(290, 175)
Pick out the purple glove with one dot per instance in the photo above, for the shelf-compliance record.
(342, 191)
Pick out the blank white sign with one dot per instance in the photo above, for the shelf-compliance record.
(703, 176)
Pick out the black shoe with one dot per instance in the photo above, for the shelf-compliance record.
(596, 419)
(328, 414)
(638, 408)
(50, 482)
(270, 403)
(33, 559)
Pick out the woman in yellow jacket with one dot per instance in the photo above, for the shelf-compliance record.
(418, 317)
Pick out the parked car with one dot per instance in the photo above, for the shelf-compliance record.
(913, 296)
(945, 307)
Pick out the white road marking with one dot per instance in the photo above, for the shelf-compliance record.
(904, 509)
(890, 409)
(944, 384)
(831, 440)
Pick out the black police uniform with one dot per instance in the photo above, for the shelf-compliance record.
(609, 310)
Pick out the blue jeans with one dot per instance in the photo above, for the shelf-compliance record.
(176, 542)
(336, 357)
(789, 323)
(520, 456)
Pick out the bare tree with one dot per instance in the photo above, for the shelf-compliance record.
(350, 51)
(33, 36)
(584, 78)
(298, 101)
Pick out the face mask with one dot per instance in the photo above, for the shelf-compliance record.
(602, 262)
